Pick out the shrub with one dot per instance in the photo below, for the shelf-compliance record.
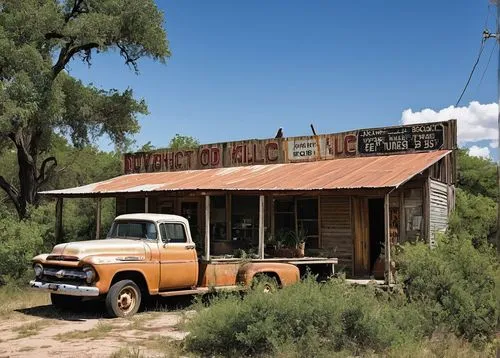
(456, 284)
(19, 242)
(307, 318)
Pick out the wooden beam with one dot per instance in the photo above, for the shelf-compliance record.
(207, 227)
(98, 219)
(388, 272)
(261, 226)
(59, 222)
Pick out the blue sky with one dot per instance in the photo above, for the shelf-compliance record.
(241, 69)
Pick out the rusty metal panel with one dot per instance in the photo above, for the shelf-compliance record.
(347, 173)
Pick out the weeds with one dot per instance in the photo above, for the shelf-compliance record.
(30, 329)
(99, 331)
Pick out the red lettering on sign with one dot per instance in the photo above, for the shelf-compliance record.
(205, 157)
(214, 157)
(237, 155)
(350, 144)
(256, 158)
(157, 162)
(178, 160)
(137, 163)
(127, 163)
(272, 152)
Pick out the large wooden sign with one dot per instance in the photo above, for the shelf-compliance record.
(396, 139)
(362, 142)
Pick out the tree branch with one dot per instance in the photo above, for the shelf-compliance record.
(68, 52)
(129, 60)
(45, 173)
(12, 192)
(75, 11)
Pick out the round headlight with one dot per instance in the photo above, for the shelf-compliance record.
(38, 268)
(89, 273)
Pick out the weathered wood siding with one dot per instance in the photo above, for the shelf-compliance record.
(438, 212)
(336, 228)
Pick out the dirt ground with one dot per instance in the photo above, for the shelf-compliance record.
(41, 331)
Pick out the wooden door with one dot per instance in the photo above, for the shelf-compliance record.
(361, 236)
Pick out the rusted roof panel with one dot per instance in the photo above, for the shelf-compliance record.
(350, 173)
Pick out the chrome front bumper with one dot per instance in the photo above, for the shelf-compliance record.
(64, 289)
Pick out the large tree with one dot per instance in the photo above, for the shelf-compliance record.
(38, 97)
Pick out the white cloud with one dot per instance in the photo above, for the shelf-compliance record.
(476, 122)
(483, 152)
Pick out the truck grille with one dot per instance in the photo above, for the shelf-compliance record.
(74, 276)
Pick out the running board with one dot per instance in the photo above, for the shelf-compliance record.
(199, 291)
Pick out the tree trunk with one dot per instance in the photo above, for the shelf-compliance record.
(29, 180)
(28, 193)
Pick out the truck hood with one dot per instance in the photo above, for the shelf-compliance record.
(119, 247)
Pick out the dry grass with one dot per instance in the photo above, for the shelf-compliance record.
(99, 331)
(15, 298)
(30, 329)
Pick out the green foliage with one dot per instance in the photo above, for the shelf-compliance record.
(477, 175)
(455, 282)
(308, 318)
(38, 39)
(183, 142)
(19, 242)
(474, 218)
(475, 212)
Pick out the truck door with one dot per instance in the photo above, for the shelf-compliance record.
(178, 259)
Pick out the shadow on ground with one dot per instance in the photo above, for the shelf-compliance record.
(96, 309)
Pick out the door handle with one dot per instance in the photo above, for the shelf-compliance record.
(189, 247)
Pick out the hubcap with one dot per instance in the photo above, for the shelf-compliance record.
(127, 299)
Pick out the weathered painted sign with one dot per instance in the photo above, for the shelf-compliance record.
(418, 137)
(400, 139)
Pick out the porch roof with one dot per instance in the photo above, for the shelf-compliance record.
(388, 171)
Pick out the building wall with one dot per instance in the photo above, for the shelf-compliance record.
(336, 234)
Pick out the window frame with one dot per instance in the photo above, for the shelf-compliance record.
(186, 233)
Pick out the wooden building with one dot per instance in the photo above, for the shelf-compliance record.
(350, 195)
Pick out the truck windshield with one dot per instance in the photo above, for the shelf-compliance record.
(135, 230)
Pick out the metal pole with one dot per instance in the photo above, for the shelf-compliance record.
(498, 126)
(98, 219)
(207, 227)
(261, 227)
(388, 268)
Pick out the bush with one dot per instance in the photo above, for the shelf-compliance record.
(19, 242)
(309, 319)
(455, 282)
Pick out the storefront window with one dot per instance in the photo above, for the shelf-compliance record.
(245, 218)
(218, 217)
(413, 214)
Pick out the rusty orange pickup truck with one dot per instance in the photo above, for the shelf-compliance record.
(152, 254)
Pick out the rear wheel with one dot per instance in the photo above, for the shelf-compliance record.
(264, 283)
(65, 302)
(123, 299)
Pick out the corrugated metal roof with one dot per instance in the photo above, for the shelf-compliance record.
(350, 173)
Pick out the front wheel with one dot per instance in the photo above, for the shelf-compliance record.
(65, 302)
(123, 299)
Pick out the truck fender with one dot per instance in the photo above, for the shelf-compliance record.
(285, 273)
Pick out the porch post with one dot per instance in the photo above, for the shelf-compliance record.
(98, 219)
(59, 222)
(207, 227)
(261, 227)
(146, 204)
(387, 254)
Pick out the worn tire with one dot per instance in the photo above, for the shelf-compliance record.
(264, 283)
(65, 302)
(123, 299)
